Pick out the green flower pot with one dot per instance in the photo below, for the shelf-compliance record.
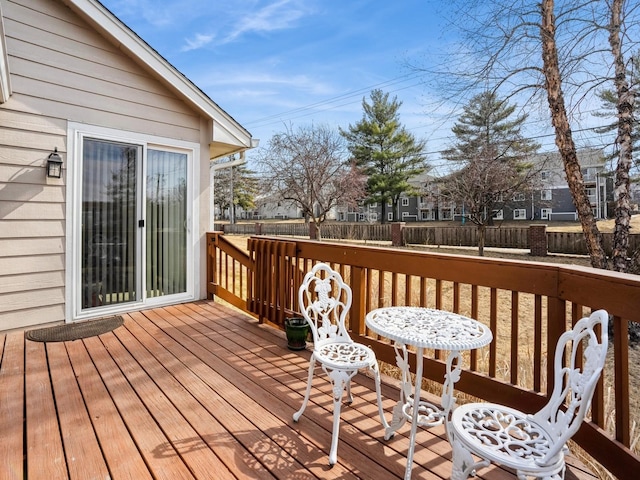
(297, 330)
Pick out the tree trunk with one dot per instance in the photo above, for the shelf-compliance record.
(482, 229)
(626, 100)
(564, 138)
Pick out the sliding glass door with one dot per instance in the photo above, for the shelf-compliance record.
(134, 223)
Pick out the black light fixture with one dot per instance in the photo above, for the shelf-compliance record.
(54, 164)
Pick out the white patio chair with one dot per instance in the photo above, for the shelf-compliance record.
(535, 445)
(324, 300)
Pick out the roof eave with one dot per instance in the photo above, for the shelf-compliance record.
(225, 130)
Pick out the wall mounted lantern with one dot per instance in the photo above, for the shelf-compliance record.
(54, 164)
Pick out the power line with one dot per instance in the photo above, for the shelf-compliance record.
(269, 120)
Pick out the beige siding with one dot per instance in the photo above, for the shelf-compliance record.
(61, 70)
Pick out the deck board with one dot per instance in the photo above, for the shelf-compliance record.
(12, 404)
(194, 391)
(82, 450)
(44, 444)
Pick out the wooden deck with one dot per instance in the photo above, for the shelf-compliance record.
(192, 391)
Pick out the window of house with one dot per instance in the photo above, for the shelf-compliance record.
(520, 214)
(545, 213)
(446, 215)
(390, 216)
(518, 197)
(498, 215)
(545, 194)
(405, 202)
(544, 175)
(361, 217)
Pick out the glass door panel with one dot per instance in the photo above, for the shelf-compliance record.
(166, 223)
(109, 223)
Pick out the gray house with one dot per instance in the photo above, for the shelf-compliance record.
(104, 167)
(549, 200)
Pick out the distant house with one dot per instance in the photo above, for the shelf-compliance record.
(123, 228)
(550, 199)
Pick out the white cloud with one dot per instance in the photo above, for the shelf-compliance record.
(199, 41)
(278, 15)
(282, 83)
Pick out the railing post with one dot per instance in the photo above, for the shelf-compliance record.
(538, 240)
(358, 289)
(258, 229)
(211, 264)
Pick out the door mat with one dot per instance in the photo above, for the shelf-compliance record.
(75, 331)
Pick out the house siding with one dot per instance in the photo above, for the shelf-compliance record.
(63, 71)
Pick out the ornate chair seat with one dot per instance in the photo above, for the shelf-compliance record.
(345, 355)
(505, 436)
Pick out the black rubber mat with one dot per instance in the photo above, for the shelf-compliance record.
(74, 331)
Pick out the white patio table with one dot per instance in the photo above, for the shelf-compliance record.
(425, 328)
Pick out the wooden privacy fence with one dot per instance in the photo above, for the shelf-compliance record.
(502, 237)
(505, 237)
(526, 304)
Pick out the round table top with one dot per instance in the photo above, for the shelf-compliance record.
(428, 328)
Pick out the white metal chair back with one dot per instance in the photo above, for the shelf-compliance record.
(574, 382)
(535, 444)
(324, 300)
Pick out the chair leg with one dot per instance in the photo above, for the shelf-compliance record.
(349, 396)
(463, 463)
(333, 453)
(312, 366)
(340, 380)
(376, 377)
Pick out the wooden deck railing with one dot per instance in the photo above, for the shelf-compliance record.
(527, 305)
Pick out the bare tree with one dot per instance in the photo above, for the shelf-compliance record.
(562, 52)
(308, 167)
(624, 139)
(485, 184)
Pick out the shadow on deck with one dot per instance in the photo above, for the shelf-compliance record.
(193, 391)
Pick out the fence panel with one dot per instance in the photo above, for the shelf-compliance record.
(503, 237)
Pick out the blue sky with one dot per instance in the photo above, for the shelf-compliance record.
(271, 63)
(274, 63)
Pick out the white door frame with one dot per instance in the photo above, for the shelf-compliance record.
(75, 134)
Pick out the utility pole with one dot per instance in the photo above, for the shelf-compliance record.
(219, 164)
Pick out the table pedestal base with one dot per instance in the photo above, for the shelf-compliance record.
(411, 407)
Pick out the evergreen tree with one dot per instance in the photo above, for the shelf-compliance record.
(493, 160)
(235, 186)
(385, 151)
(487, 126)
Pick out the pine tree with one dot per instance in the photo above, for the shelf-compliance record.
(385, 151)
(492, 155)
(487, 126)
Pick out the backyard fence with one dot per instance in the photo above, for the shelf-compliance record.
(501, 237)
